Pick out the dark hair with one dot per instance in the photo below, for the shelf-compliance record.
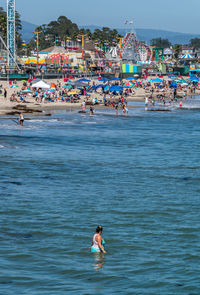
(99, 228)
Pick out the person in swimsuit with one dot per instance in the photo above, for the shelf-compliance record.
(21, 120)
(97, 241)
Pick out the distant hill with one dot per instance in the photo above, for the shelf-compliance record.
(27, 30)
(148, 34)
(143, 34)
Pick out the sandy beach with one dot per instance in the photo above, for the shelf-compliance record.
(33, 108)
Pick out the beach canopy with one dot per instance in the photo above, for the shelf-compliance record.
(116, 88)
(41, 84)
(157, 80)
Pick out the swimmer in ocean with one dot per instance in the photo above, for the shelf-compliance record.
(97, 241)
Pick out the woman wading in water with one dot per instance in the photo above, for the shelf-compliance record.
(97, 241)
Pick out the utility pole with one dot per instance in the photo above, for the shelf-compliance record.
(37, 40)
(83, 45)
(120, 45)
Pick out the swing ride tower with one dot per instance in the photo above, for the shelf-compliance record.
(11, 57)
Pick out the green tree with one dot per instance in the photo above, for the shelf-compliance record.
(159, 42)
(3, 23)
(177, 50)
(195, 43)
(18, 27)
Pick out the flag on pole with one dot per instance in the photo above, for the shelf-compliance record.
(126, 22)
(131, 22)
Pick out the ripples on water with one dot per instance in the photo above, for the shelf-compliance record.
(138, 176)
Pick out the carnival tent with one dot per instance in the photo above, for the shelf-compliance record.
(187, 56)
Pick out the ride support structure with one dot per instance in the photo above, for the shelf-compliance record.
(11, 61)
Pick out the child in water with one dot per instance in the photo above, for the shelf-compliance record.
(97, 241)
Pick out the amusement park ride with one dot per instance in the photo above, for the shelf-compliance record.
(130, 50)
(10, 47)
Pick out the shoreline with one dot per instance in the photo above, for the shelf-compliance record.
(43, 109)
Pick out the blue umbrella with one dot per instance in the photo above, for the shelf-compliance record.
(194, 79)
(67, 86)
(100, 85)
(130, 78)
(113, 79)
(173, 85)
(116, 88)
(104, 80)
(172, 76)
(84, 80)
(157, 80)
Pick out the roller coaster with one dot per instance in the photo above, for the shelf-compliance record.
(133, 50)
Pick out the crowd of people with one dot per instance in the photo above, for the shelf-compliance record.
(114, 92)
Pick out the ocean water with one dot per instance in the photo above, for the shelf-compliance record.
(138, 176)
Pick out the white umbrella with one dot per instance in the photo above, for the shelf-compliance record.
(41, 84)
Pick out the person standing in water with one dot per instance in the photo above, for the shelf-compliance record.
(21, 119)
(83, 106)
(97, 241)
(91, 110)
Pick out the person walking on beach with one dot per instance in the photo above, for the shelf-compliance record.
(97, 245)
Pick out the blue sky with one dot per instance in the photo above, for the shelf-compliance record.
(172, 15)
